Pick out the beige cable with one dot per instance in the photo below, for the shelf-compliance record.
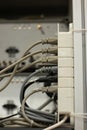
(18, 61)
(43, 60)
(35, 44)
(25, 57)
(13, 126)
(29, 65)
(50, 59)
(7, 83)
(46, 41)
(78, 115)
(57, 124)
(45, 104)
(11, 77)
(80, 30)
(21, 59)
(24, 68)
(43, 89)
(20, 123)
(13, 73)
(11, 119)
(33, 123)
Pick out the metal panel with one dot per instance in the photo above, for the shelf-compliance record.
(78, 64)
(85, 11)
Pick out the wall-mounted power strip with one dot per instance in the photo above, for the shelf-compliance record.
(66, 72)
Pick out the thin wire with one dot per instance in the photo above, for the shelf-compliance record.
(20, 123)
(13, 73)
(28, 66)
(45, 104)
(25, 123)
(67, 125)
(25, 53)
(13, 126)
(40, 79)
(8, 118)
(78, 115)
(26, 80)
(22, 69)
(49, 50)
(80, 30)
(21, 59)
(57, 124)
(23, 107)
(35, 44)
(42, 70)
(41, 113)
(16, 121)
(18, 61)
(23, 111)
(46, 41)
(32, 64)
(8, 82)
(39, 118)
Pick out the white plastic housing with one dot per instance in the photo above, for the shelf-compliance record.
(65, 72)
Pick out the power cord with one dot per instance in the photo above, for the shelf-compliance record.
(28, 119)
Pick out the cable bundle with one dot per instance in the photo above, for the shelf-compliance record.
(35, 117)
(38, 115)
(27, 116)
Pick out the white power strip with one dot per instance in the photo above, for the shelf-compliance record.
(65, 72)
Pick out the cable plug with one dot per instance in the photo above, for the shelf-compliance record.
(52, 59)
(50, 50)
(50, 41)
(51, 89)
(47, 69)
